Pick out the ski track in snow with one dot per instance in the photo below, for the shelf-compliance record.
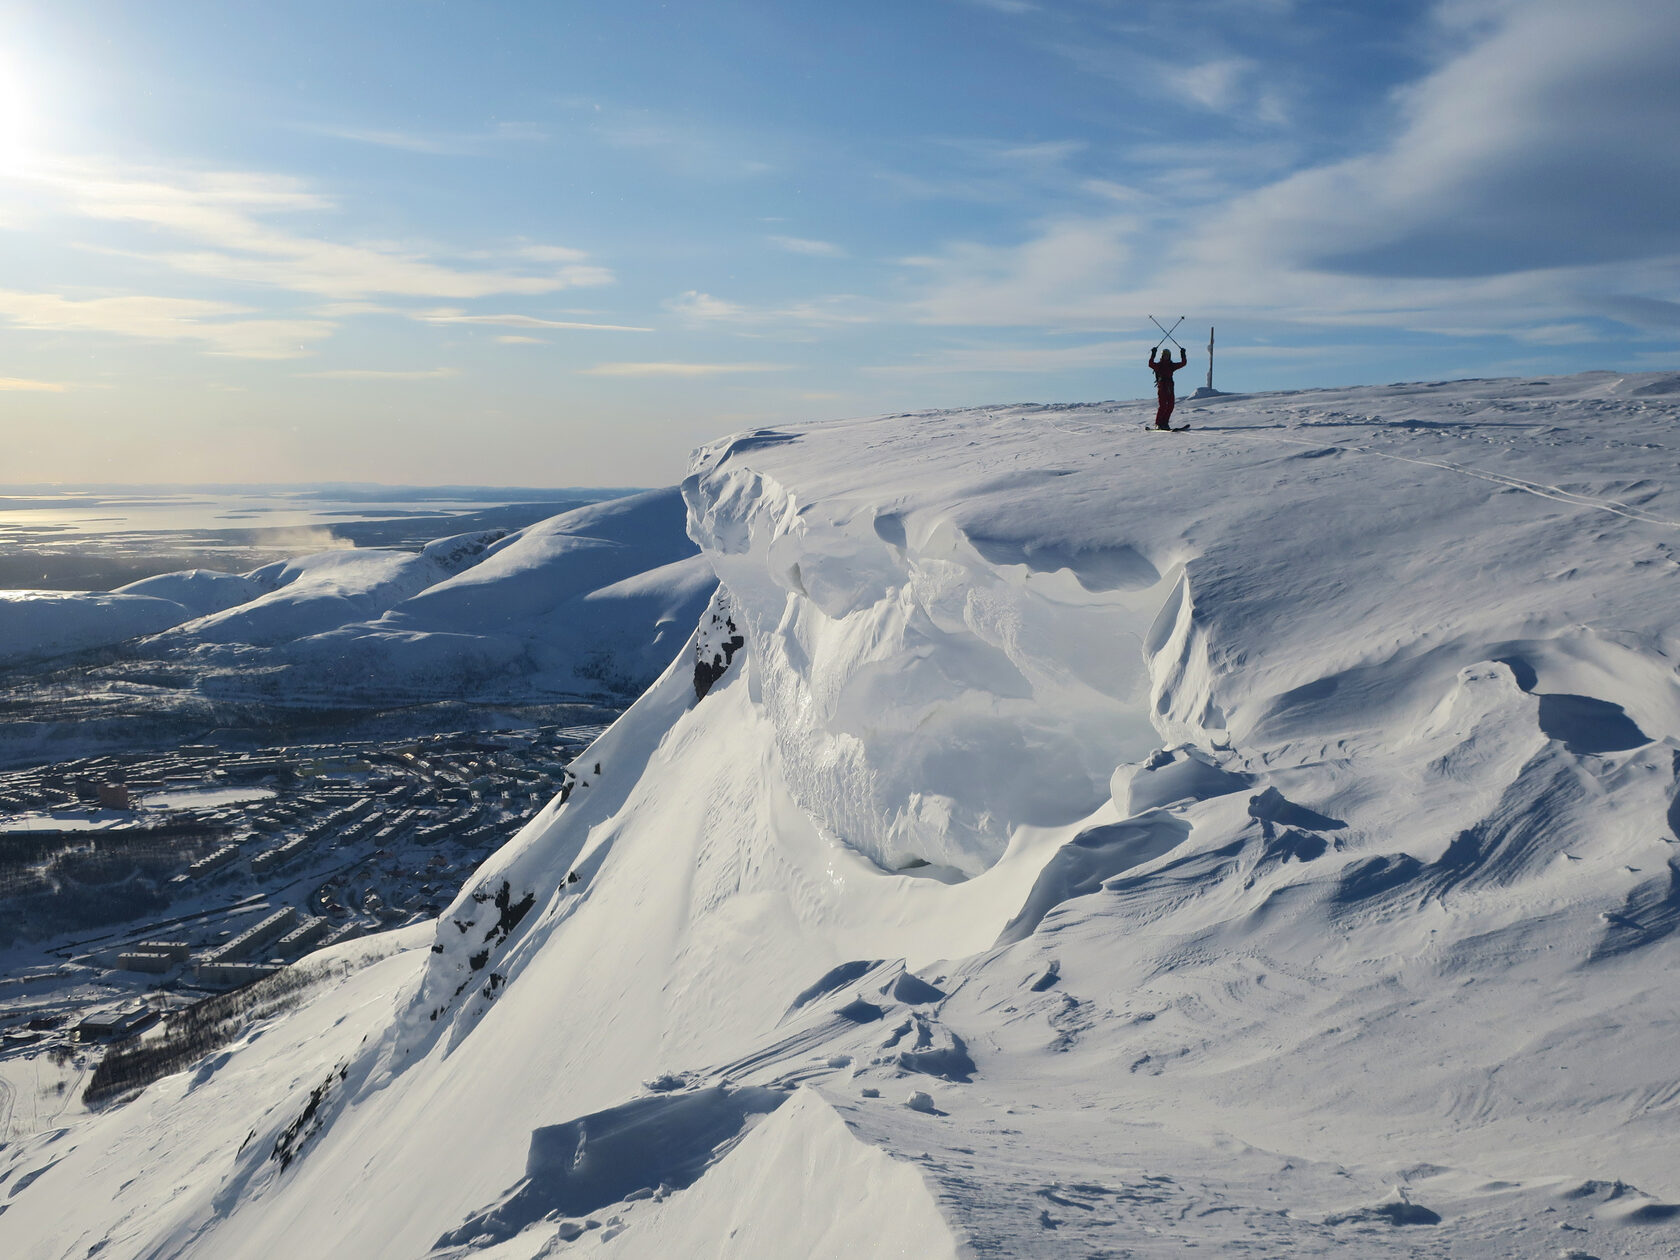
(1095, 845)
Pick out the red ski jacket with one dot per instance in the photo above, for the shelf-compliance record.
(1164, 367)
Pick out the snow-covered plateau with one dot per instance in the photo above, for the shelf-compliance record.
(1261, 839)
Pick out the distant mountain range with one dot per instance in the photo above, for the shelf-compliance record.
(588, 604)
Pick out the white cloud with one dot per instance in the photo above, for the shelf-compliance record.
(15, 383)
(1110, 190)
(1522, 190)
(990, 171)
(226, 217)
(550, 253)
(1017, 359)
(454, 143)
(1644, 311)
(384, 374)
(449, 316)
(801, 245)
(679, 142)
(1533, 148)
(219, 327)
(412, 142)
(1271, 108)
(832, 310)
(1047, 152)
(1065, 274)
(1571, 334)
(1217, 85)
(681, 369)
(703, 307)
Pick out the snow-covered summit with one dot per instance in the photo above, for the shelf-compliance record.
(1262, 837)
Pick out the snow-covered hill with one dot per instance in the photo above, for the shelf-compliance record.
(1263, 838)
(592, 602)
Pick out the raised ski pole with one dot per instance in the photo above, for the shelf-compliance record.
(1167, 333)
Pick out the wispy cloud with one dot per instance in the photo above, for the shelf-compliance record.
(1550, 173)
(1568, 334)
(990, 171)
(449, 316)
(34, 387)
(226, 218)
(679, 143)
(831, 310)
(383, 374)
(1067, 274)
(1547, 208)
(1045, 152)
(1217, 85)
(704, 308)
(990, 359)
(220, 327)
(1647, 312)
(801, 245)
(681, 369)
(514, 339)
(547, 253)
(446, 143)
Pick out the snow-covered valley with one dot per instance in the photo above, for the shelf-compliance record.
(584, 607)
(1264, 839)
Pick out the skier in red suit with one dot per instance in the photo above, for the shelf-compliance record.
(1164, 367)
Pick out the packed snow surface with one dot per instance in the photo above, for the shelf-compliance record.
(1092, 841)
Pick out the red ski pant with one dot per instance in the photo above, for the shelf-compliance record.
(1163, 411)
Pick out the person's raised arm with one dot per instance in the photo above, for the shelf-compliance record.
(1152, 354)
(1183, 356)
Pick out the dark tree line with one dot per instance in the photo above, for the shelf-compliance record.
(189, 1034)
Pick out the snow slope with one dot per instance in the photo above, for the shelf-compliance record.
(596, 600)
(592, 602)
(1263, 838)
(38, 625)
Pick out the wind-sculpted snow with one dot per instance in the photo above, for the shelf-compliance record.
(930, 692)
(1261, 839)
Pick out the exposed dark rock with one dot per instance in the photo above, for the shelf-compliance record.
(716, 646)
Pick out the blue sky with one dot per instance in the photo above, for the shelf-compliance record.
(561, 244)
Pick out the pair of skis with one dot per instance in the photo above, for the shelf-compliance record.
(1167, 333)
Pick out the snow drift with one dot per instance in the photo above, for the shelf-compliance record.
(1259, 838)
